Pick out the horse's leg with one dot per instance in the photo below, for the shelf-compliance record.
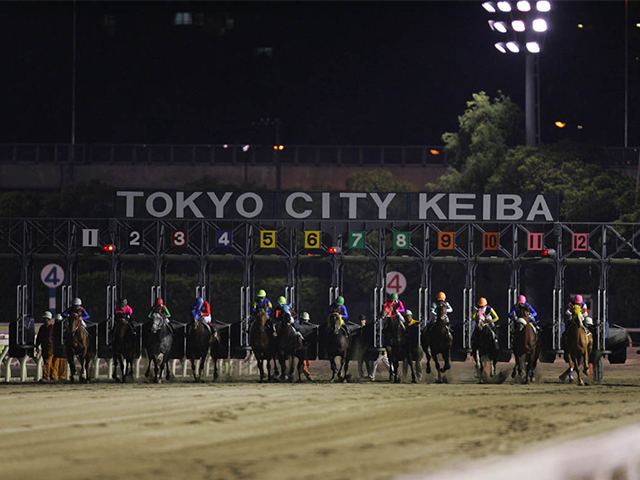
(292, 360)
(476, 357)
(155, 370)
(260, 368)
(332, 362)
(194, 370)
(346, 365)
(71, 360)
(428, 367)
(283, 366)
(148, 372)
(114, 374)
(268, 369)
(446, 357)
(413, 373)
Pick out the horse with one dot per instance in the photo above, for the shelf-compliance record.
(397, 345)
(577, 345)
(159, 339)
(262, 343)
(78, 343)
(437, 339)
(289, 345)
(526, 345)
(483, 345)
(199, 341)
(124, 345)
(337, 344)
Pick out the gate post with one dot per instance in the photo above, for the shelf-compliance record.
(512, 297)
(558, 302)
(468, 302)
(378, 291)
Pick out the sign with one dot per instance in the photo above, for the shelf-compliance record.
(312, 239)
(89, 237)
(178, 238)
(490, 240)
(436, 207)
(401, 240)
(580, 242)
(445, 240)
(535, 241)
(395, 283)
(267, 239)
(224, 238)
(357, 239)
(52, 275)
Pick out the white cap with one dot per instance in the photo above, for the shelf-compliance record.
(58, 317)
(588, 321)
(304, 316)
(77, 301)
(408, 312)
(47, 314)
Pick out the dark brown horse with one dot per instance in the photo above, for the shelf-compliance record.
(484, 347)
(577, 346)
(199, 341)
(396, 342)
(262, 343)
(337, 344)
(437, 339)
(124, 346)
(290, 346)
(78, 343)
(526, 345)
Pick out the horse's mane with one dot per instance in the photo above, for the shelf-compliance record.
(441, 310)
(523, 312)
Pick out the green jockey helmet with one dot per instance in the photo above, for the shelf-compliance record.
(282, 301)
(394, 296)
(262, 293)
(340, 301)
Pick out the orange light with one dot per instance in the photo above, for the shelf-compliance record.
(560, 124)
(280, 147)
(434, 151)
(275, 147)
(108, 248)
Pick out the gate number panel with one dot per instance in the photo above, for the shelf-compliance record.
(312, 238)
(178, 238)
(580, 242)
(268, 239)
(401, 240)
(490, 240)
(445, 240)
(356, 239)
(535, 241)
(224, 238)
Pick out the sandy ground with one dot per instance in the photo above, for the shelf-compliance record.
(244, 430)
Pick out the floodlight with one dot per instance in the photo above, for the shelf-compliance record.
(543, 6)
(489, 7)
(518, 25)
(501, 48)
(504, 6)
(540, 25)
(498, 26)
(533, 47)
(513, 47)
(523, 6)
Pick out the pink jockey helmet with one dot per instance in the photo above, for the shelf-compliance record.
(522, 299)
(578, 299)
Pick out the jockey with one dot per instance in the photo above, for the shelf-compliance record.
(79, 309)
(261, 302)
(441, 297)
(410, 319)
(394, 307)
(285, 308)
(201, 312)
(341, 309)
(161, 308)
(522, 303)
(484, 314)
(124, 310)
(578, 300)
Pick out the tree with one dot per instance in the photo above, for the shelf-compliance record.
(487, 129)
(377, 181)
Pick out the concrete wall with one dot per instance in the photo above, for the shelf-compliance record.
(53, 176)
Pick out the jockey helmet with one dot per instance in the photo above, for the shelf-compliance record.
(282, 300)
(262, 293)
(123, 301)
(47, 314)
(522, 299)
(588, 321)
(441, 296)
(340, 301)
(394, 296)
(409, 313)
(159, 302)
(58, 317)
(77, 302)
(304, 316)
(362, 317)
(578, 299)
(482, 302)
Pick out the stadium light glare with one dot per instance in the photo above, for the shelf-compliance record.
(523, 6)
(518, 25)
(540, 25)
(504, 6)
(533, 47)
(513, 47)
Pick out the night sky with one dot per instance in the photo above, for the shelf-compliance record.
(383, 73)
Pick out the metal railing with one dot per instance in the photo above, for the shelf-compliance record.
(222, 154)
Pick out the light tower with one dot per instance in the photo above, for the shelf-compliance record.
(521, 26)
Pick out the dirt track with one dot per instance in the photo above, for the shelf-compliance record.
(241, 430)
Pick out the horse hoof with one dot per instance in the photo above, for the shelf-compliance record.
(414, 380)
